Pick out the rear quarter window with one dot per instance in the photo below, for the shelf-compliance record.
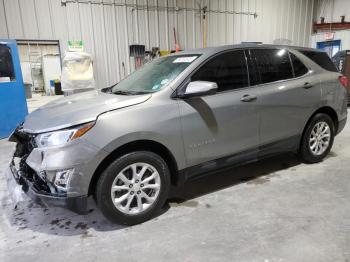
(320, 58)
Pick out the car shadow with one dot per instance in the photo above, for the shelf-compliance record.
(204, 110)
(58, 221)
(254, 173)
(28, 215)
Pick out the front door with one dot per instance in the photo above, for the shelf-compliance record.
(218, 128)
(13, 105)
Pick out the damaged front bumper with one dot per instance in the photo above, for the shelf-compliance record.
(19, 183)
(53, 177)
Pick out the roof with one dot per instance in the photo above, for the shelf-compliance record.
(210, 50)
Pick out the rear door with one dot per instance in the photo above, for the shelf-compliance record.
(221, 125)
(287, 95)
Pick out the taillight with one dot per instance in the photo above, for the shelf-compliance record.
(344, 81)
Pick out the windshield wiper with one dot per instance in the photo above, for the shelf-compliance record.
(107, 90)
(127, 93)
(119, 92)
(139, 92)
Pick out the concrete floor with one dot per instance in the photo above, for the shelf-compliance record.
(275, 210)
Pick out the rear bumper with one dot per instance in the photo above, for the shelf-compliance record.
(18, 183)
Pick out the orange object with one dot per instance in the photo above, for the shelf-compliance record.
(80, 132)
(177, 46)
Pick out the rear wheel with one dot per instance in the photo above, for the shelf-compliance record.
(318, 139)
(133, 188)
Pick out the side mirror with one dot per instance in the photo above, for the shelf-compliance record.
(200, 88)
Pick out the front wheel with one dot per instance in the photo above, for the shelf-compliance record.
(317, 139)
(133, 188)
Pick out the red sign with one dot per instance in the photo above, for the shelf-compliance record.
(329, 36)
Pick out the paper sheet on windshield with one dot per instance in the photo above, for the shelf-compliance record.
(185, 59)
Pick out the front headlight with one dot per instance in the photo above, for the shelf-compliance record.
(61, 137)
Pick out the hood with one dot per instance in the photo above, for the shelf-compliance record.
(77, 109)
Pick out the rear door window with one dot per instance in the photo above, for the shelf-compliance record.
(320, 58)
(7, 72)
(273, 64)
(228, 70)
(299, 68)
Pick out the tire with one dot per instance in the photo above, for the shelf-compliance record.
(128, 184)
(308, 152)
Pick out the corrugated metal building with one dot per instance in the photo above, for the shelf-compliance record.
(332, 12)
(108, 27)
(343, 35)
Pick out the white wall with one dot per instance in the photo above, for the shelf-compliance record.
(343, 35)
(331, 10)
(107, 30)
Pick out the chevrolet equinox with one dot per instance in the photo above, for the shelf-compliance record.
(174, 119)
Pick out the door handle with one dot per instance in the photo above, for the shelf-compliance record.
(307, 85)
(248, 98)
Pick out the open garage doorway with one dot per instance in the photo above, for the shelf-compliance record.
(40, 63)
(331, 47)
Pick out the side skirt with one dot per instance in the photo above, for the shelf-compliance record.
(249, 156)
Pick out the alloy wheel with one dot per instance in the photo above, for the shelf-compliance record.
(135, 188)
(320, 138)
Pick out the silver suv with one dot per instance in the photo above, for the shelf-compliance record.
(174, 119)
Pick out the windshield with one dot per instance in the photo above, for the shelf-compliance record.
(153, 76)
